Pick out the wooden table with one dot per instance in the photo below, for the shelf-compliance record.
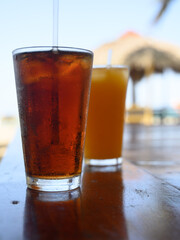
(140, 200)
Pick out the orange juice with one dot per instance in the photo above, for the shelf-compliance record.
(104, 133)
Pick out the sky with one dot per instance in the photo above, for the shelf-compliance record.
(84, 24)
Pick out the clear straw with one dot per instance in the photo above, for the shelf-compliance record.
(55, 22)
(109, 58)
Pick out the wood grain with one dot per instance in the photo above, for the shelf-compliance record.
(134, 201)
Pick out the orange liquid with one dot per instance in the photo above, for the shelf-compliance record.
(105, 123)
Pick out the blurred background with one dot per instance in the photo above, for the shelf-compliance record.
(141, 33)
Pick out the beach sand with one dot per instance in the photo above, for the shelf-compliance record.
(8, 127)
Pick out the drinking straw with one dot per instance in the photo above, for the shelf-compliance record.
(55, 83)
(109, 58)
(55, 22)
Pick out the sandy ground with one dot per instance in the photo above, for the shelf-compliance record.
(8, 127)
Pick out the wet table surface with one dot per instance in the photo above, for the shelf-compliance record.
(140, 200)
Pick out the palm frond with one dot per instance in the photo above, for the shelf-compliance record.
(164, 6)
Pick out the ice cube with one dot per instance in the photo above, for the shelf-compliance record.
(33, 71)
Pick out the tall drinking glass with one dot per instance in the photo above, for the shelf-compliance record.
(104, 133)
(53, 86)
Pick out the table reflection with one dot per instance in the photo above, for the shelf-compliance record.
(102, 203)
(94, 212)
(52, 215)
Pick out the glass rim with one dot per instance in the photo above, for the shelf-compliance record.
(121, 66)
(49, 48)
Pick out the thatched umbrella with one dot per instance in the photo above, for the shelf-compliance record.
(144, 56)
(148, 52)
(148, 60)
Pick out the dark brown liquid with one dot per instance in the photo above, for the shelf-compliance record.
(53, 92)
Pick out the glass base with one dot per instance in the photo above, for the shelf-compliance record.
(53, 185)
(53, 196)
(103, 162)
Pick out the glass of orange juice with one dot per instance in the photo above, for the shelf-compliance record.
(104, 132)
